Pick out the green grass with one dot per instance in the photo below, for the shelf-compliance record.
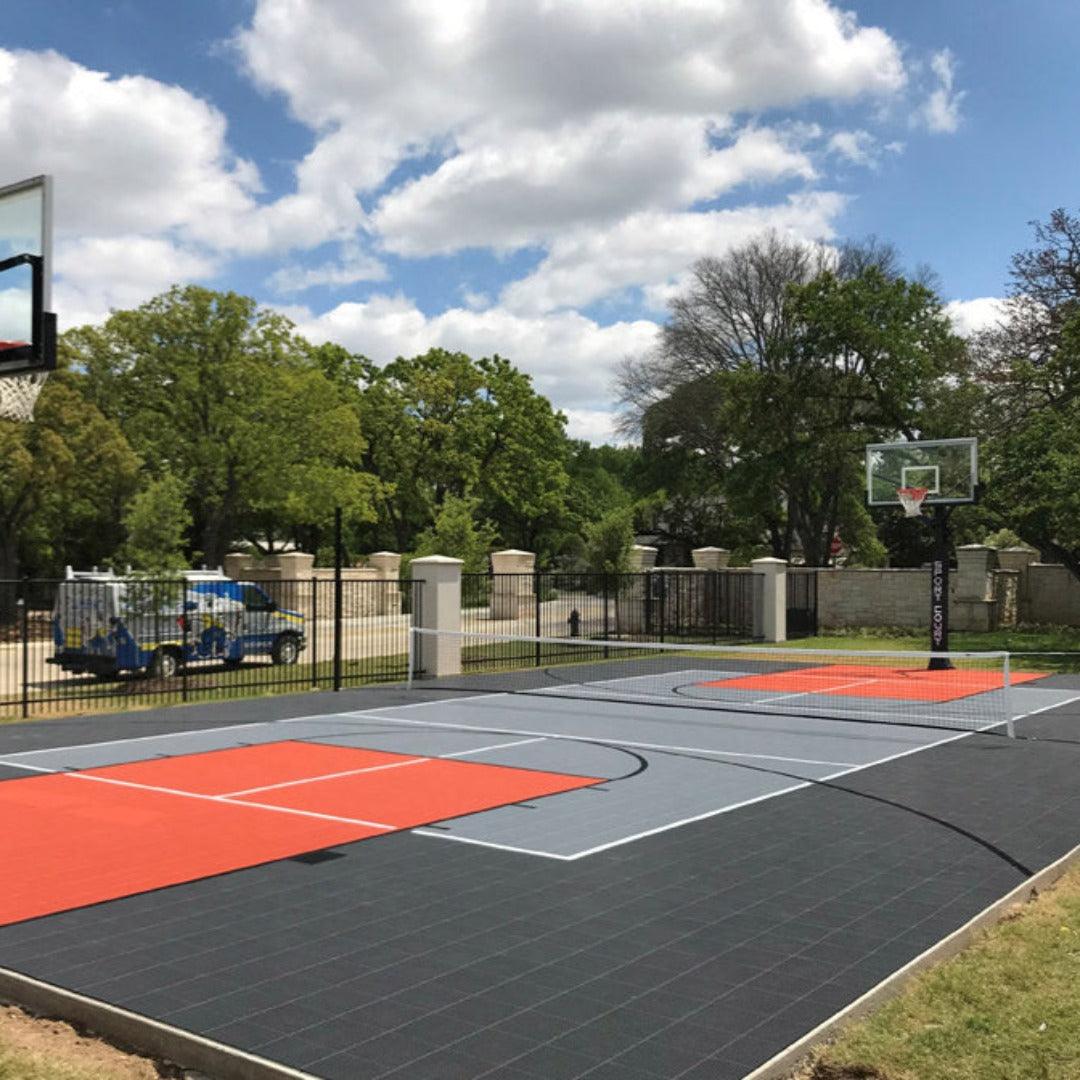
(1008, 1008)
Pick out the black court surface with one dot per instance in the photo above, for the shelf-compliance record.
(440, 884)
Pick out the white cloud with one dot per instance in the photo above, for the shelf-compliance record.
(858, 147)
(649, 250)
(570, 357)
(130, 155)
(970, 316)
(353, 266)
(430, 66)
(100, 273)
(593, 425)
(940, 112)
(16, 315)
(509, 189)
(546, 115)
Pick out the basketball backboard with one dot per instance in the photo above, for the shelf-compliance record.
(27, 331)
(947, 468)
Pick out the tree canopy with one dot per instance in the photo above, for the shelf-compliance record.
(199, 421)
(775, 369)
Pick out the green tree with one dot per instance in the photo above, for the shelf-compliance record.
(459, 533)
(63, 480)
(1029, 371)
(224, 396)
(608, 541)
(775, 369)
(156, 522)
(442, 425)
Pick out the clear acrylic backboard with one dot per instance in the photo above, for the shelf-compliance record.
(25, 274)
(947, 468)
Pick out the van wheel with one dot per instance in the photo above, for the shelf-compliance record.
(286, 649)
(164, 665)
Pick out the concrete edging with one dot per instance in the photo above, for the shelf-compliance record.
(781, 1065)
(140, 1034)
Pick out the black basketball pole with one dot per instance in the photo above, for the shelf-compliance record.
(939, 591)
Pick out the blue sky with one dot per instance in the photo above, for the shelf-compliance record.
(529, 178)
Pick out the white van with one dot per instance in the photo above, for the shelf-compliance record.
(104, 623)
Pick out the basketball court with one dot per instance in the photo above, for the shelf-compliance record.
(557, 771)
(513, 882)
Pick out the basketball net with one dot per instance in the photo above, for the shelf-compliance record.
(911, 499)
(19, 394)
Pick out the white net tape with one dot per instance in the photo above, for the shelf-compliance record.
(19, 394)
(911, 499)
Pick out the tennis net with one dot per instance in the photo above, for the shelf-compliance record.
(966, 691)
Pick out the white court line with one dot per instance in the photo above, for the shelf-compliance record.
(371, 769)
(732, 705)
(224, 799)
(494, 746)
(847, 770)
(492, 844)
(807, 693)
(324, 776)
(139, 738)
(602, 739)
(1045, 708)
(696, 817)
(770, 795)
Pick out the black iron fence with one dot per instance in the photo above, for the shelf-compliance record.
(97, 644)
(802, 602)
(675, 605)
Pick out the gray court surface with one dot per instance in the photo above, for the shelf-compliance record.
(733, 881)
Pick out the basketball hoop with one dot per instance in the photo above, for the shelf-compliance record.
(911, 499)
(19, 394)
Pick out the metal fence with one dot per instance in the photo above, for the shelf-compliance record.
(659, 605)
(77, 646)
(802, 602)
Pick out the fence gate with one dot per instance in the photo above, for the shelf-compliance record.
(802, 602)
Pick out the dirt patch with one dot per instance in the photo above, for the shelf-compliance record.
(47, 1049)
(823, 1071)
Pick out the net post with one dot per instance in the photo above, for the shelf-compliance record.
(410, 652)
(314, 632)
(24, 640)
(185, 641)
(539, 614)
(1010, 727)
(339, 558)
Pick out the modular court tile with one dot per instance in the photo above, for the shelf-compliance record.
(697, 952)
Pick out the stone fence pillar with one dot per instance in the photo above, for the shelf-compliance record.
(1020, 559)
(387, 566)
(1007, 597)
(973, 605)
(512, 584)
(770, 613)
(440, 609)
(711, 558)
(238, 565)
(642, 557)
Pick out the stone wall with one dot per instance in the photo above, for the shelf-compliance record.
(988, 589)
(1049, 595)
(293, 580)
(848, 597)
